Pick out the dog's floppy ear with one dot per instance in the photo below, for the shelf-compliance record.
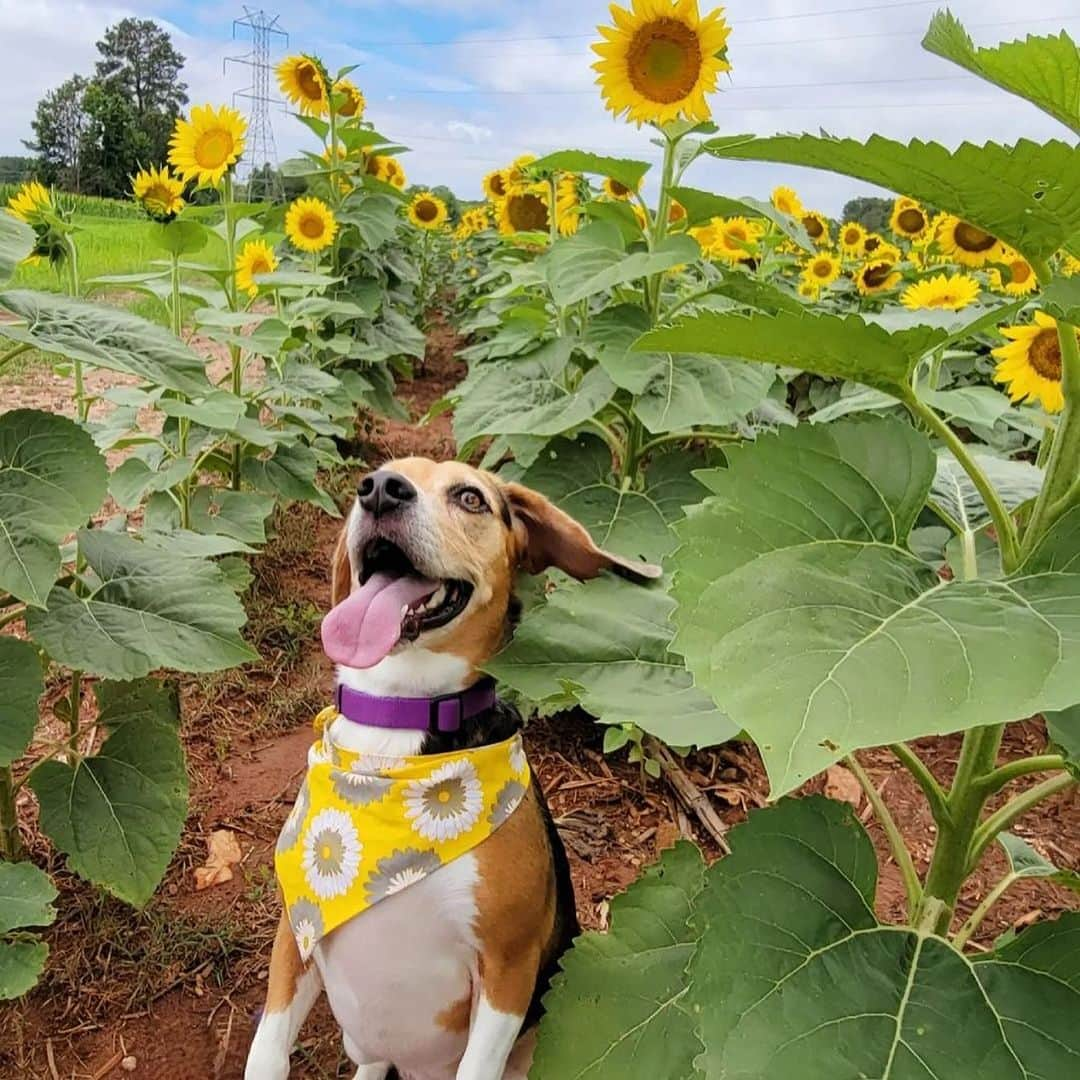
(549, 537)
(341, 570)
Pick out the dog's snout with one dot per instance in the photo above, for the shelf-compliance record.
(383, 492)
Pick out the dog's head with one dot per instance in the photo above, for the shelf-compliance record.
(428, 556)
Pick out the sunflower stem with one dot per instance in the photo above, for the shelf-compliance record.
(6, 358)
(10, 837)
(235, 355)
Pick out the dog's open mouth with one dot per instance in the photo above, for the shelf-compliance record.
(395, 602)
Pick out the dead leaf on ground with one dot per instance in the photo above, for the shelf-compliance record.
(224, 854)
(840, 784)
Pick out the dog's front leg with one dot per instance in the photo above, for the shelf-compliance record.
(292, 990)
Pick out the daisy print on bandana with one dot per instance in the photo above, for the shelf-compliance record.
(307, 925)
(359, 787)
(519, 763)
(332, 852)
(398, 871)
(290, 831)
(506, 802)
(447, 803)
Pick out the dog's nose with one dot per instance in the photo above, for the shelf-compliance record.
(383, 492)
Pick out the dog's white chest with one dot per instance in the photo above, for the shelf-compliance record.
(394, 973)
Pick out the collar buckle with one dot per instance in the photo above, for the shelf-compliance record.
(446, 720)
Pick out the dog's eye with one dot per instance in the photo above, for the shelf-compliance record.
(472, 500)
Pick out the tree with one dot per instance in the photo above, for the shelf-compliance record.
(60, 128)
(871, 212)
(115, 144)
(140, 64)
(14, 170)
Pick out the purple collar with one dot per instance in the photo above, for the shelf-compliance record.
(443, 713)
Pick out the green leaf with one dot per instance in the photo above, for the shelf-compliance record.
(21, 685)
(617, 1008)
(794, 976)
(186, 544)
(703, 206)
(179, 237)
(16, 242)
(107, 337)
(117, 815)
(1061, 298)
(812, 626)
(528, 396)
(1026, 862)
(137, 702)
(1045, 70)
(979, 405)
(605, 645)
(26, 897)
(21, 965)
(750, 292)
(133, 478)
(289, 474)
(52, 479)
(1023, 194)
(835, 346)
(149, 610)
(218, 410)
(297, 279)
(376, 220)
(627, 172)
(240, 515)
(1063, 730)
(1015, 481)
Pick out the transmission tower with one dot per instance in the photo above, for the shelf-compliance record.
(263, 182)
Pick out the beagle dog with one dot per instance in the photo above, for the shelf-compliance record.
(442, 980)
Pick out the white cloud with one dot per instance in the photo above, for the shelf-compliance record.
(475, 133)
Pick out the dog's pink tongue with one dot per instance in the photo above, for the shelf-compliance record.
(362, 629)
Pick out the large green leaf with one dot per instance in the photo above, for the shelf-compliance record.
(1026, 862)
(794, 976)
(1045, 70)
(605, 645)
(52, 479)
(1015, 481)
(21, 965)
(627, 172)
(106, 337)
(830, 345)
(1025, 194)
(376, 220)
(21, 685)
(148, 610)
(290, 473)
(240, 515)
(617, 1008)
(26, 896)
(816, 630)
(1062, 298)
(118, 814)
(136, 702)
(528, 396)
(16, 242)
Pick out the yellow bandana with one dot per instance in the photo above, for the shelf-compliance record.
(365, 827)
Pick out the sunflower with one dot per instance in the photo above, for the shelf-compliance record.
(208, 145)
(494, 185)
(852, 237)
(303, 84)
(733, 238)
(822, 270)
(29, 201)
(676, 212)
(967, 244)
(310, 224)
(516, 177)
(941, 292)
(524, 211)
(787, 202)
(1021, 281)
(256, 257)
(660, 59)
(877, 276)
(817, 227)
(809, 290)
(888, 251)
(871, 242)
(909, 219)
(354, 103)
(567, 204)
(1070, 264)
(614, 190)
(427, 211)
(160, 193)
(1030, 365)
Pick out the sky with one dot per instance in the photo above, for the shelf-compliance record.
(470, 84)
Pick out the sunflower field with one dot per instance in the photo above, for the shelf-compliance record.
(855, 453)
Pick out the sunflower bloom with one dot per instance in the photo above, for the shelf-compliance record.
(204, 148)
(524, 211)
(517, 177)
(809, 290)
(310, 225)
(29, 202)
(941, 292)
(256, 257)
(822, 270)
(734, 239)
(427, 211)
(1021, 279)
(567, 204)
(852, 238)
(967, 244)
(877, 276)
(1070, 265)
(354, 104)
(303, 84)
(660, 60)
(619, 192)
(817, 227)
(909, 219)
(160, 193)
(387, 169)
(787, 202)
(1030, 365)
(494, 185)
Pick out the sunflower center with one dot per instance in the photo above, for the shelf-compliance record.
(527, 213)
(498, 185)
(814, 228)
(1045, 355)
(160, 195)
(970, 238)
(876, 275)
(426, 210)
(822, 269)
(911, 220)
(259, 265)
(621, 190)
(1020, 273)
(214, 148)
(851, 237)
(311, 225)
(307, 78)
(664, 60)
(872, 243)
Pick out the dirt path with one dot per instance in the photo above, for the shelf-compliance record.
(174, 991)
